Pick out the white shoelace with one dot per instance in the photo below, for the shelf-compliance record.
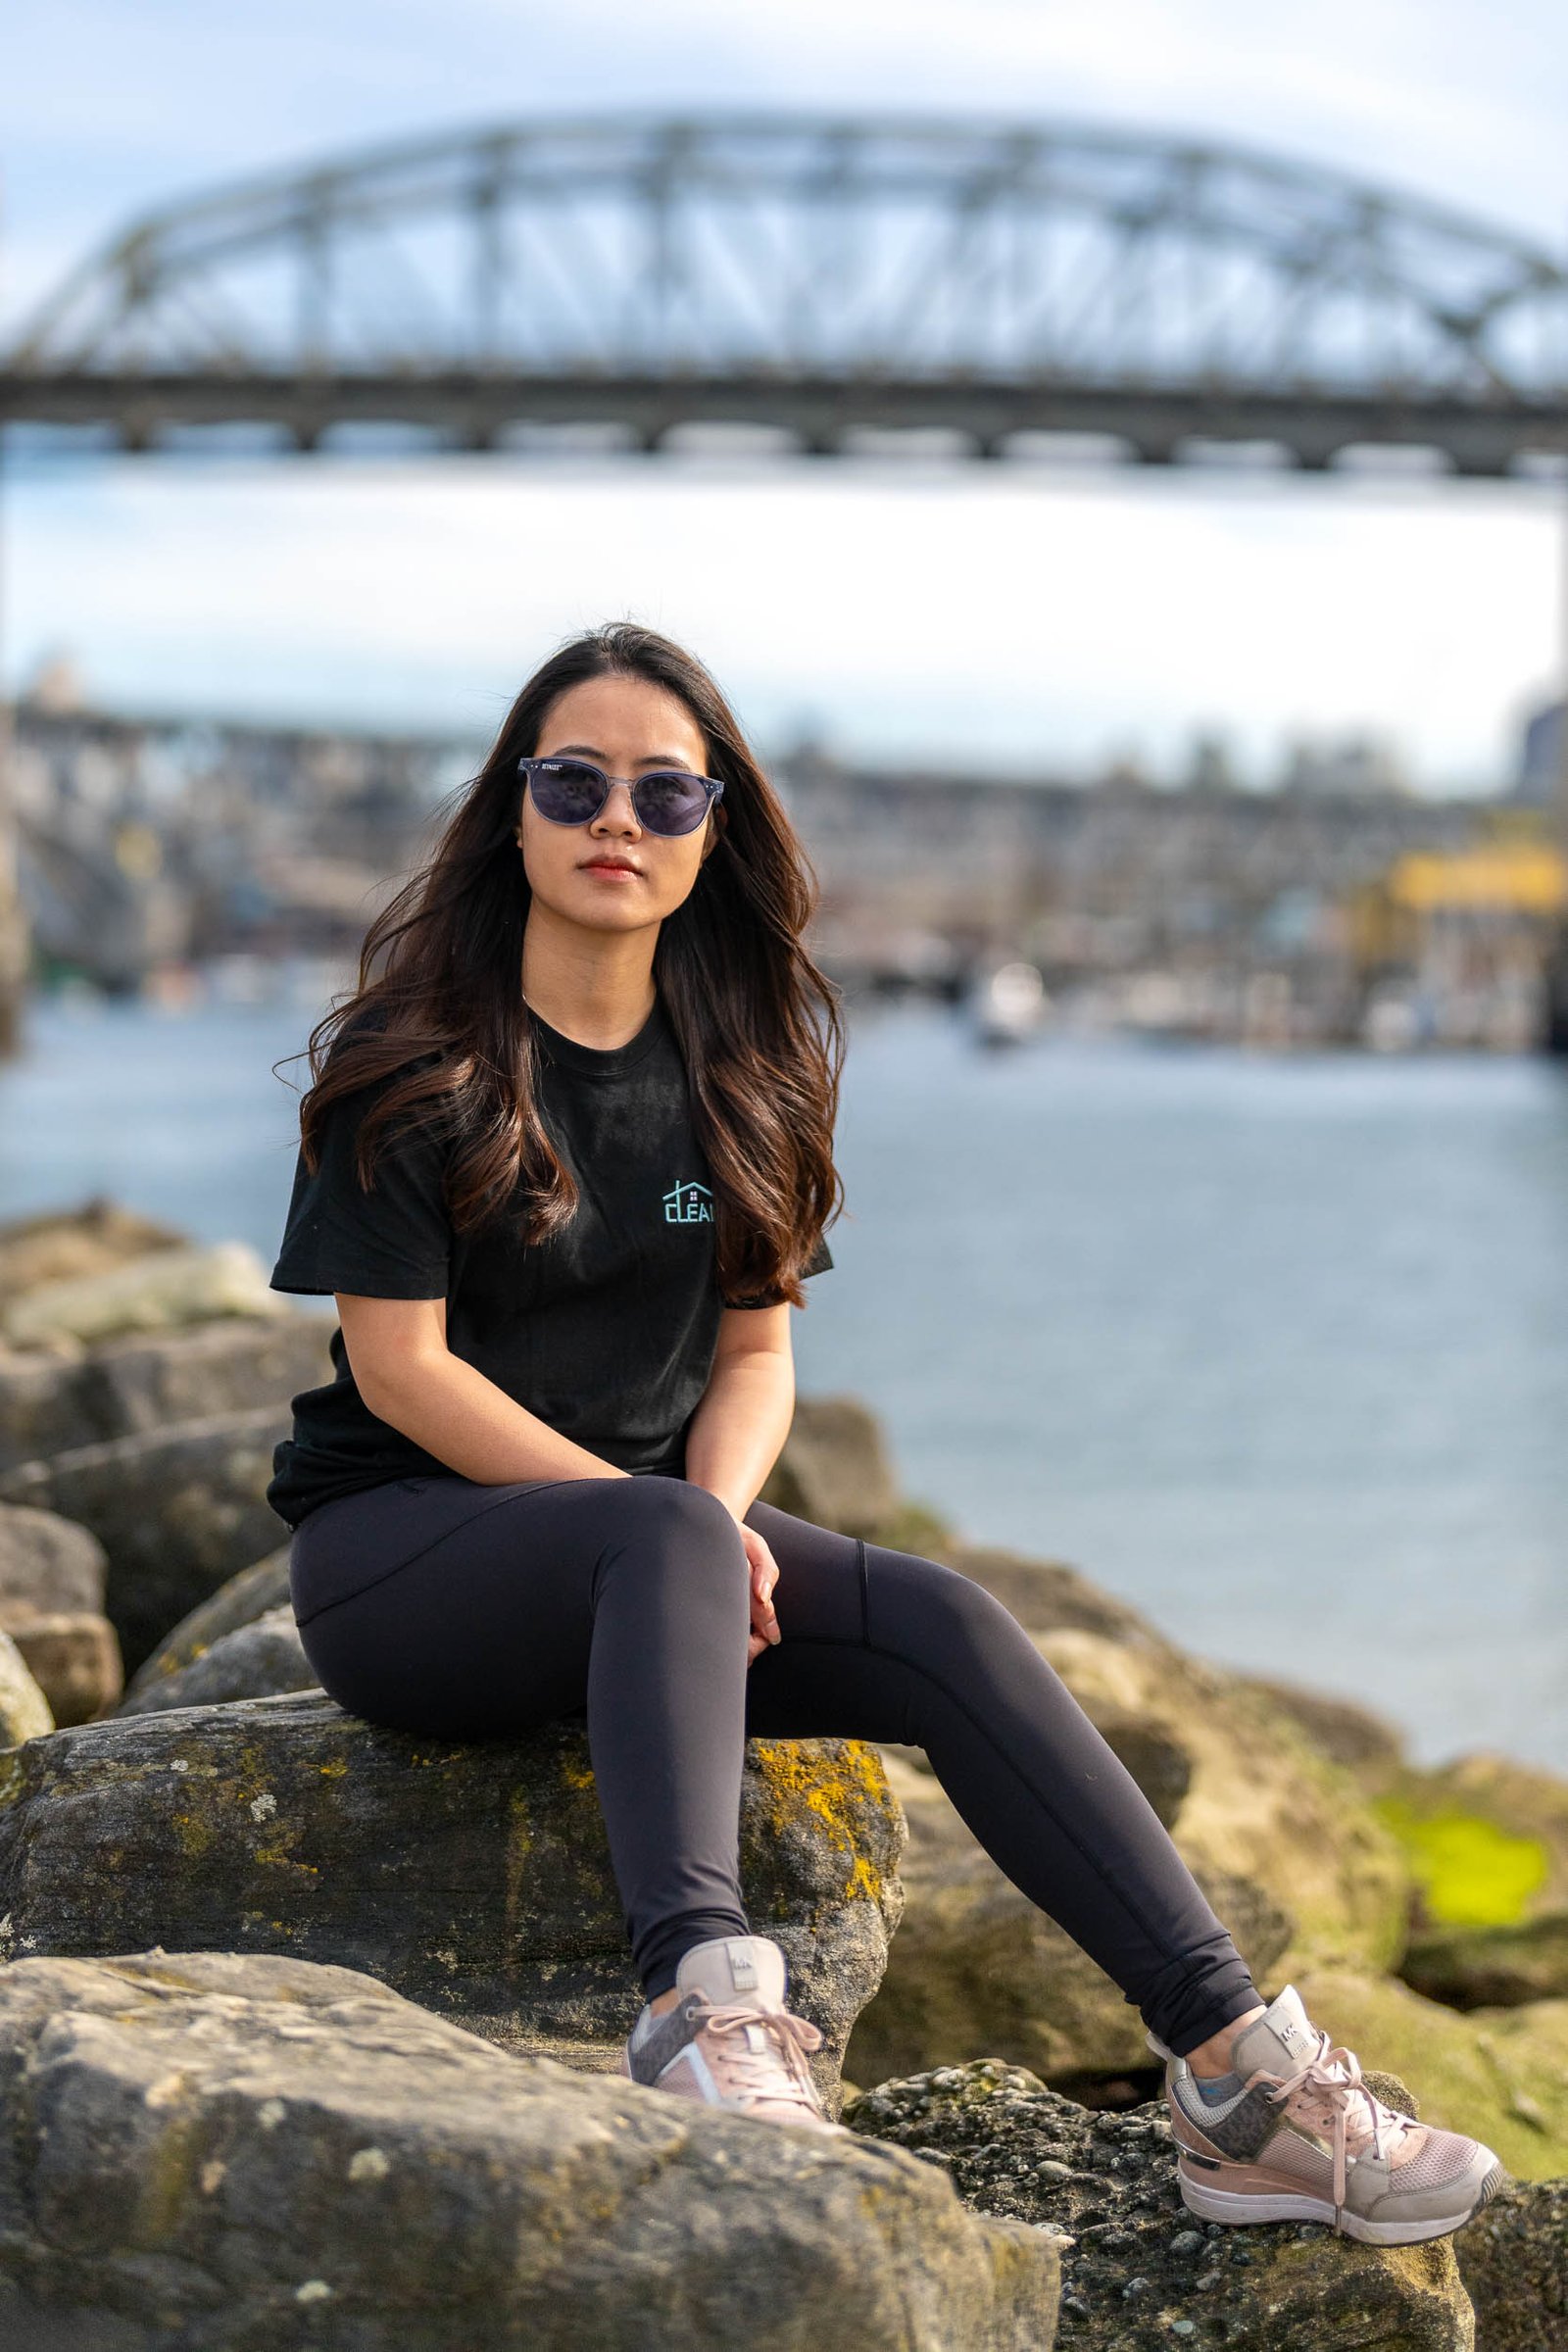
(766, 2050)
(1333, 2075)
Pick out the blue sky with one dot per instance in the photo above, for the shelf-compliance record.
(1048, 620)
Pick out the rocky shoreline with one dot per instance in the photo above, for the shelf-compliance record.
(306, 2027)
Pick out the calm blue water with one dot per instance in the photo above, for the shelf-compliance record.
(1278, 1349)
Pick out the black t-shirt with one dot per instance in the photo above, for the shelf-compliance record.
(606, 1331)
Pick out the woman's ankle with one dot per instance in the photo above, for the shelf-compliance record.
(1214, 2056)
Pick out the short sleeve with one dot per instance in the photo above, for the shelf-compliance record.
(392, 1242)
(821, 1259)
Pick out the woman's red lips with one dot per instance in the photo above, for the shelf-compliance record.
(610, 865)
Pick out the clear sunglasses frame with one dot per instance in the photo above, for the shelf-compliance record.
(712, 789)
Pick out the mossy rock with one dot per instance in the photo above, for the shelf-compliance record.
(24, 1711)
(835, 1468)
(1140, 2273)
(1500, 2074)
(238, 2151)
(1485, 1841)
(1265, 1801)
(1492, 1967)
(239, 1602)
(976, 1962)
(1366, 1743)
(258, 1660)
(1513, 2259)
(178, 1512)
(473, 1877)
(51, 1403)
(73, 1657)
(1281, 1840)
(1263, 1804)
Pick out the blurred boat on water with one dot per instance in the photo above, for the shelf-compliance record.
(1009, 1004)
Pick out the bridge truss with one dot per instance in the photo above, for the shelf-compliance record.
(825, 278)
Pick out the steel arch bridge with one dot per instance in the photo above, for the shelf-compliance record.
(821, 278)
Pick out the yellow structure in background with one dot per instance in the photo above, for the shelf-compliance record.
(1528, 878)
(1512, 886)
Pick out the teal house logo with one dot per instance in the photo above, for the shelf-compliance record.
(688, 1204)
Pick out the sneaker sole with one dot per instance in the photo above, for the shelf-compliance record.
(1237, 2206)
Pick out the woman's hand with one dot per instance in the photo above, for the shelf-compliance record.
(764, 1576)
(762, 1573)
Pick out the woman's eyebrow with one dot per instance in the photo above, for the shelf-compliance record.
(586, 750)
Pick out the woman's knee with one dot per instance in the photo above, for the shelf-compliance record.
(924, 1605)
(669, 1529)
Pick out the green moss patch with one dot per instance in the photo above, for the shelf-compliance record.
(1471, 1873)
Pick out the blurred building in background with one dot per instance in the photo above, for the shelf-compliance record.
(1539, 780)
(145, 842)
(1335, 907)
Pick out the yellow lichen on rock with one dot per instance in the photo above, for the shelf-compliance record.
(798, 1779)
(195, 1835)
(519, 1845)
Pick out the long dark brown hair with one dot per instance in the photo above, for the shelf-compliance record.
(759, 1024)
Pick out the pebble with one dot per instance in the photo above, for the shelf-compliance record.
(1184, 2326)
(1135, 2287)
(1050, 2169)
(1187, 2242)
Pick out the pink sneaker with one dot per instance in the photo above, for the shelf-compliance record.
(1300, 2138)
(729, 2040)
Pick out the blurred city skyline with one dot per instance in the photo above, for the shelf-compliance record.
(1023, 616)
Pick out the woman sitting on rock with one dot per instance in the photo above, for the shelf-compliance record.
(592, 1095)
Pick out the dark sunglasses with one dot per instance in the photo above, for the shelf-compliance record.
(572, 792)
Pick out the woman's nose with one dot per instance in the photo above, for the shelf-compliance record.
(619, 805)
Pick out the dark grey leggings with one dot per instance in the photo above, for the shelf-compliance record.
(471, 1611)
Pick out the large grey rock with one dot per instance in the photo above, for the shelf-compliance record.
(473, 1877)
(1048, 1597)
(1513, 2259)
(834, 1469)
(146, 1382)
(73, 1657)
(237, 1602)
(1492, 1967)
(256, 1660)
(57, 1245)
(1363, 1741)
(162, 1291)
(48, 1564)
(1142, 2274)
(177, 1511)
(24, 1712)
(52, 1576)
(203, 2152)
